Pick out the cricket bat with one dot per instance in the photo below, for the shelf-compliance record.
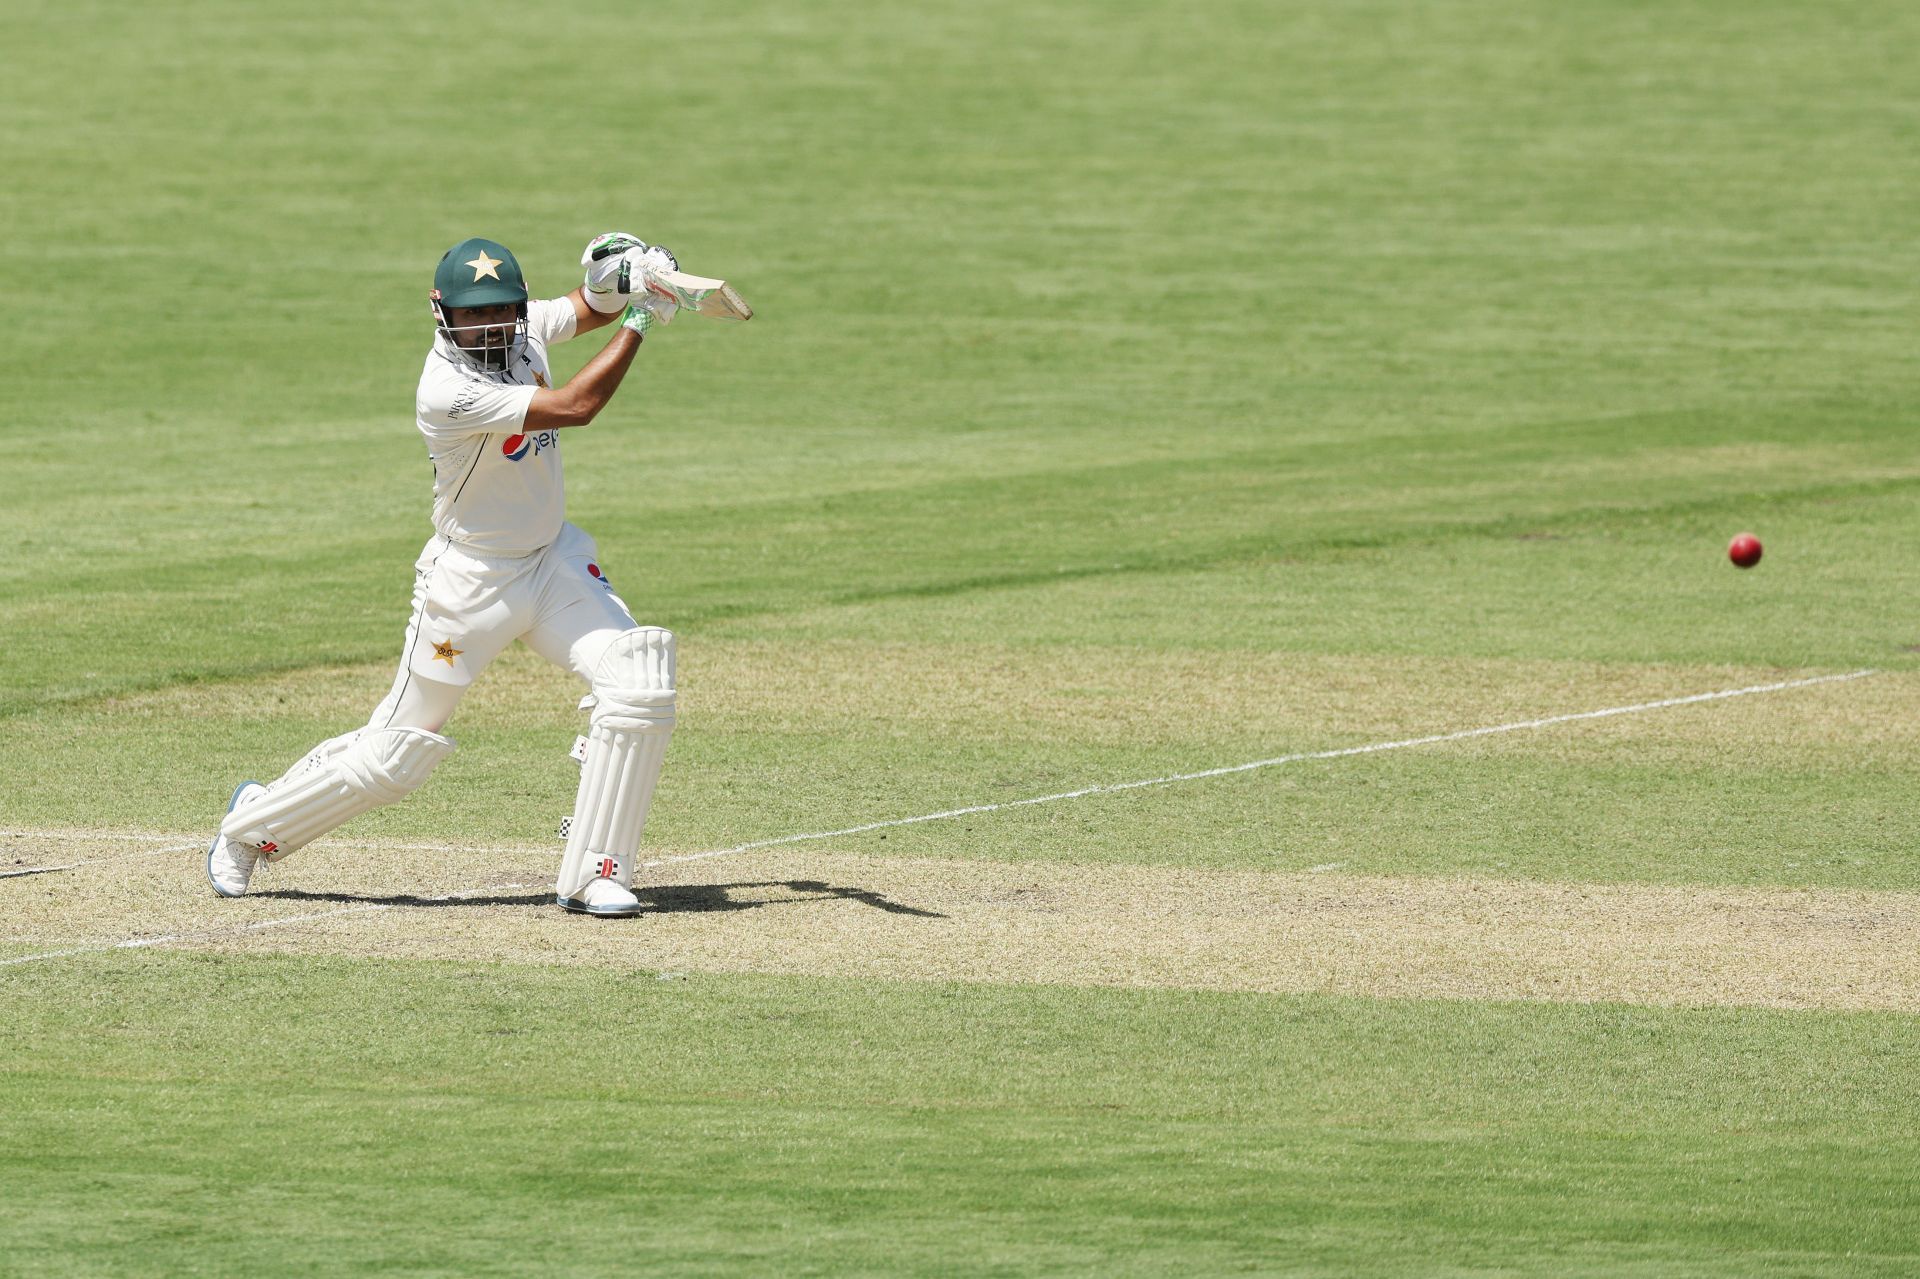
(713, 298)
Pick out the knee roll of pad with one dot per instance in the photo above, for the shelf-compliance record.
(375, 768)
(633, 684)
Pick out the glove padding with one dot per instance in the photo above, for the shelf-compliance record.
(611, 280)
(639, 318)
(648, 309)
(656, 258)
(642, 264)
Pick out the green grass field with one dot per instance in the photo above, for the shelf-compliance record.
(1136, 390)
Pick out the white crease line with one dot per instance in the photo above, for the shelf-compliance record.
(98, 861)
(54, 954)
(1517, 726)
(84, 834)
(465, 893)
(294, 919)
(102, 861)
(135, 943)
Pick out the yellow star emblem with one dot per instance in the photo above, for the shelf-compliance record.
(483, 266)
(539, 378)
(444, 651)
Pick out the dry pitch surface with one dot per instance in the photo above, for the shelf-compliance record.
(826, 913)
(818, 908)
(815, 909)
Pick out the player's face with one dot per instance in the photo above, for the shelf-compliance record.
(483, 328)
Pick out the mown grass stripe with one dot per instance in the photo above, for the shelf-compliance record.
(1301, 757)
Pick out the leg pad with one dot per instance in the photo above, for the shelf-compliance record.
(341, 779)
(626, 747)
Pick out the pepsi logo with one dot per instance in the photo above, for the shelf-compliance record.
(594, 569)
(515, 447)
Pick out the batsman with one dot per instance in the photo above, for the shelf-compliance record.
(503, 564)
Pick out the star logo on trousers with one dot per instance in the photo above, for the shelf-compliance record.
(444, 651)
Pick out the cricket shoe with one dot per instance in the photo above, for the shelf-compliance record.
(230, 863)
(603, 896)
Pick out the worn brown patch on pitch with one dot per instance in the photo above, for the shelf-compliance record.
(821, 913)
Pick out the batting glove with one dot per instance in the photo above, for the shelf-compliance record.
(611, 281)
(648, 295)
(658, 258)
(642, 316)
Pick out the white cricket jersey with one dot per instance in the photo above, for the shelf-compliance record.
(496, 488)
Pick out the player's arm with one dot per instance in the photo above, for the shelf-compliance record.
(585, 318)
(579, 400)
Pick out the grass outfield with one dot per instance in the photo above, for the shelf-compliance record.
(1136, 390)
(447, 1119)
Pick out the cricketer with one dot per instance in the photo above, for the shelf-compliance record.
(503, 564)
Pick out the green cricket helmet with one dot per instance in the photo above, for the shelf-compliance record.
(479, 272)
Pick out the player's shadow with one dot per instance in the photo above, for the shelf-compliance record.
(660, 900)
(402, 899)
(696, 898)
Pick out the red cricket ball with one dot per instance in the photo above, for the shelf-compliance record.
(1744, 550)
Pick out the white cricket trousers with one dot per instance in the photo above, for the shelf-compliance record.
(469, 605)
